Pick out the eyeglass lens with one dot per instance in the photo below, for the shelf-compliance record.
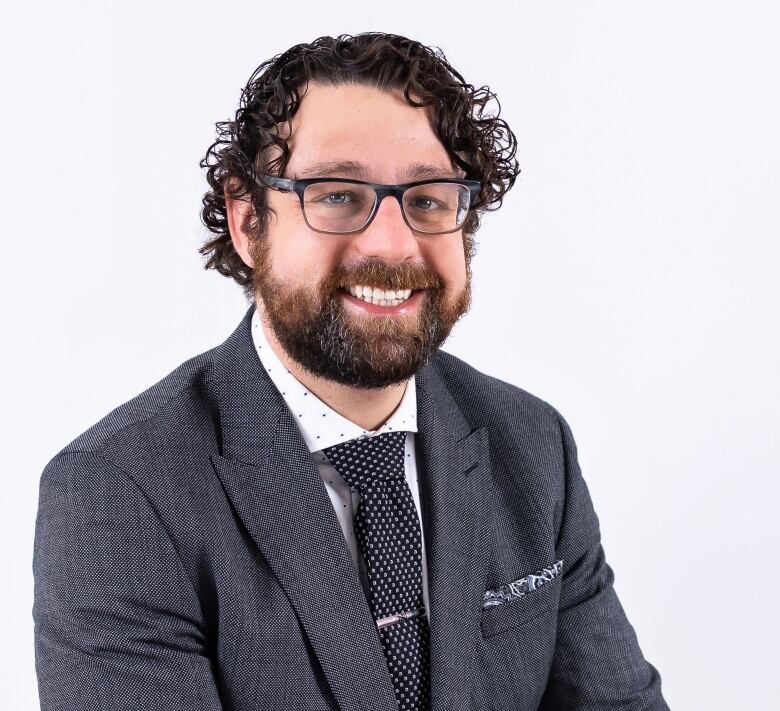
(346, 207)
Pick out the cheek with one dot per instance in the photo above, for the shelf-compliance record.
(449, 261)
(299, 255)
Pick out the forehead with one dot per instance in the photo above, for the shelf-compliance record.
(362, 132)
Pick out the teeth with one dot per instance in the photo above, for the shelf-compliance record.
(380, 297)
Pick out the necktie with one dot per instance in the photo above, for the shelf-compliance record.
(388, 533)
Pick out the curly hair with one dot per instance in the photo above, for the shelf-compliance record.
(477, 141)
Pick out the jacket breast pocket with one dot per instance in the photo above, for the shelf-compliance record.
(516, 611)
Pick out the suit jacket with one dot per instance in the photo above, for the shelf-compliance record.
(187, 557)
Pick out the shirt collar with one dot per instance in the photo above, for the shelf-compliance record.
(320, 425)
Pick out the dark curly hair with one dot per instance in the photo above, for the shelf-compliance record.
(478, 142)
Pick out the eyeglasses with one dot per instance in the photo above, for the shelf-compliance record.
(339, 206)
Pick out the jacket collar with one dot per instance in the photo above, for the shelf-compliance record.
(273, 483)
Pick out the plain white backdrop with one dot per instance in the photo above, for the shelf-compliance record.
(630, 279)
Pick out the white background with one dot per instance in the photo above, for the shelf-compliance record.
(630, 278)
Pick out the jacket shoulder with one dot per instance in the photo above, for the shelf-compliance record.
(166, 401)
(486, 400)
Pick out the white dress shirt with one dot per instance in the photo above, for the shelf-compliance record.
(323, 427)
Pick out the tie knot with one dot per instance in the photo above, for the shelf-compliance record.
(370, 460)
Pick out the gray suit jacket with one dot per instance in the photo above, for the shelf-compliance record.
(187, 557)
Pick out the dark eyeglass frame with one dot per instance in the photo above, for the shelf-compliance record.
(381, 191)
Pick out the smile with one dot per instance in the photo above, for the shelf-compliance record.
(380, 297)
(379, 301)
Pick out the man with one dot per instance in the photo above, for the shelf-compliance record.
(326, 511)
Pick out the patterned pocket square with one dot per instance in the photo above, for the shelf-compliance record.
(523, 586)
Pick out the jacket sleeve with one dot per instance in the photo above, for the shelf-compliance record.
(117, 623)
(597, 664)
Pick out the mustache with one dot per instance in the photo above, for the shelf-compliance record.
(381, 275)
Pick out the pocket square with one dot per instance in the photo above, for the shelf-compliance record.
(523, 586)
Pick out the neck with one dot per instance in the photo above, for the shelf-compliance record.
(367, 408)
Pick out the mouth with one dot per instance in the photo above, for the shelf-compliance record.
(381, 300)
(379, 297)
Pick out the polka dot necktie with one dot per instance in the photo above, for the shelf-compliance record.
(388, 533)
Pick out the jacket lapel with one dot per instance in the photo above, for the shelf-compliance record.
(456, 490)
(275, 488)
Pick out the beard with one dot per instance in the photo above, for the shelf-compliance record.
(365, 351)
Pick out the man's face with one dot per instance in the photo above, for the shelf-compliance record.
(302, 278)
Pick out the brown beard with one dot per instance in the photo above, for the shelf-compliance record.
(369, 351)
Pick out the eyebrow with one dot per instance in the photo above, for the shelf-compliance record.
(355, 169)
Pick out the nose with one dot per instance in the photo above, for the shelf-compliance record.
(388, 236)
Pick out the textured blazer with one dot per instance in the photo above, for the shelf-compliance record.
(187, 558)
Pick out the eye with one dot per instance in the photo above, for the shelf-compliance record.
(342, 197)
(425, 203)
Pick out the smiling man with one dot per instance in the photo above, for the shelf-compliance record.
(327, 511)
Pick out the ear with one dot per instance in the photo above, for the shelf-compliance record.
(237, 212)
